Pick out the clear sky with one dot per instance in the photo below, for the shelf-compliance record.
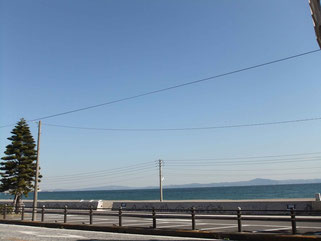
(57, 56)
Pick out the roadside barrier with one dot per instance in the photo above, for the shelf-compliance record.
(290, 216)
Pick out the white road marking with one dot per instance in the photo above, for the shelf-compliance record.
(309, 227)
(61, 236)
(144, 219)
(174, 226)
(104, 221)
(279, 226)
(159, 222)
(61, 217)
(135, 224)
(272, 229)
(77, 219)
(173, 220)
(197, 223)
(234, 226)
(215, 224)
(28, 232)
(266, 225)
(37, 234)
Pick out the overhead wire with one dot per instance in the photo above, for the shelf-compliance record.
(90, 185)
(238, 164)
(183, 170)
(174, 86)
(105, 171)
(245, 157)
(168, 162)
(127, 172)
(99, 178)
(102, 176)
(240, 160)
(246, 174)
(186, 128)
(135, 169)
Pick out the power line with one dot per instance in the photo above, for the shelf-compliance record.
(187, 128)
(242, 158)
(106, 171)
(242, 163)
(187, 170)
(100, 177)
(246, 174)
(100, 183)
(175, 86)
(103, 175)
(151, 164)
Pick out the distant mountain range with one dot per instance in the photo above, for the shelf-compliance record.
(253, 182)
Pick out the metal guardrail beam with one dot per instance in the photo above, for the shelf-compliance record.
(290, 216)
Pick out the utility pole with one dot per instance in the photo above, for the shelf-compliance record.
(160, 180)
(35, 193)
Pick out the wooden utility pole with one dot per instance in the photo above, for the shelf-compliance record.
(160, 180)
(35, 193)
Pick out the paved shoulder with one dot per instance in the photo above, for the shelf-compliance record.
(26, 233)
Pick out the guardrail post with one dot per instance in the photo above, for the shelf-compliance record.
(43, 213)
(120, 216)
(22, 212)
(239, 218)
(91, 215)
(65, 214)
(5, 211)
(293, 221)
(154, 218)
(193, 218)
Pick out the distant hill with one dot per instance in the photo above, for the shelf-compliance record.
(253, 182)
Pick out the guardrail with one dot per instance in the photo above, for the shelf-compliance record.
(154, 215)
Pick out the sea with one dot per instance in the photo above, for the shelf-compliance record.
(204, 193)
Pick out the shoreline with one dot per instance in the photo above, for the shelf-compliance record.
(180, 187)
(248, 193)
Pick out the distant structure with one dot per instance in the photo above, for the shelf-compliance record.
(316, 16)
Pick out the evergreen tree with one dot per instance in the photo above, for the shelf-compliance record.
(18, 168)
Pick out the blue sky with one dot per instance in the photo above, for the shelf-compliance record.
(58, 56)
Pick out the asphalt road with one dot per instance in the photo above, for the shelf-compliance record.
(100, 218)
(27, 233)
(313, 228)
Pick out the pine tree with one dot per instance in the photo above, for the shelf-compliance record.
(18, 168)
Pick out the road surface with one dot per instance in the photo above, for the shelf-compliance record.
(309, 228)
(27, 233)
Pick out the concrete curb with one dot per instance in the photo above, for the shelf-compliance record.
(167, 232)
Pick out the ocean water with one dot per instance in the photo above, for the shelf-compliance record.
(207, 193)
